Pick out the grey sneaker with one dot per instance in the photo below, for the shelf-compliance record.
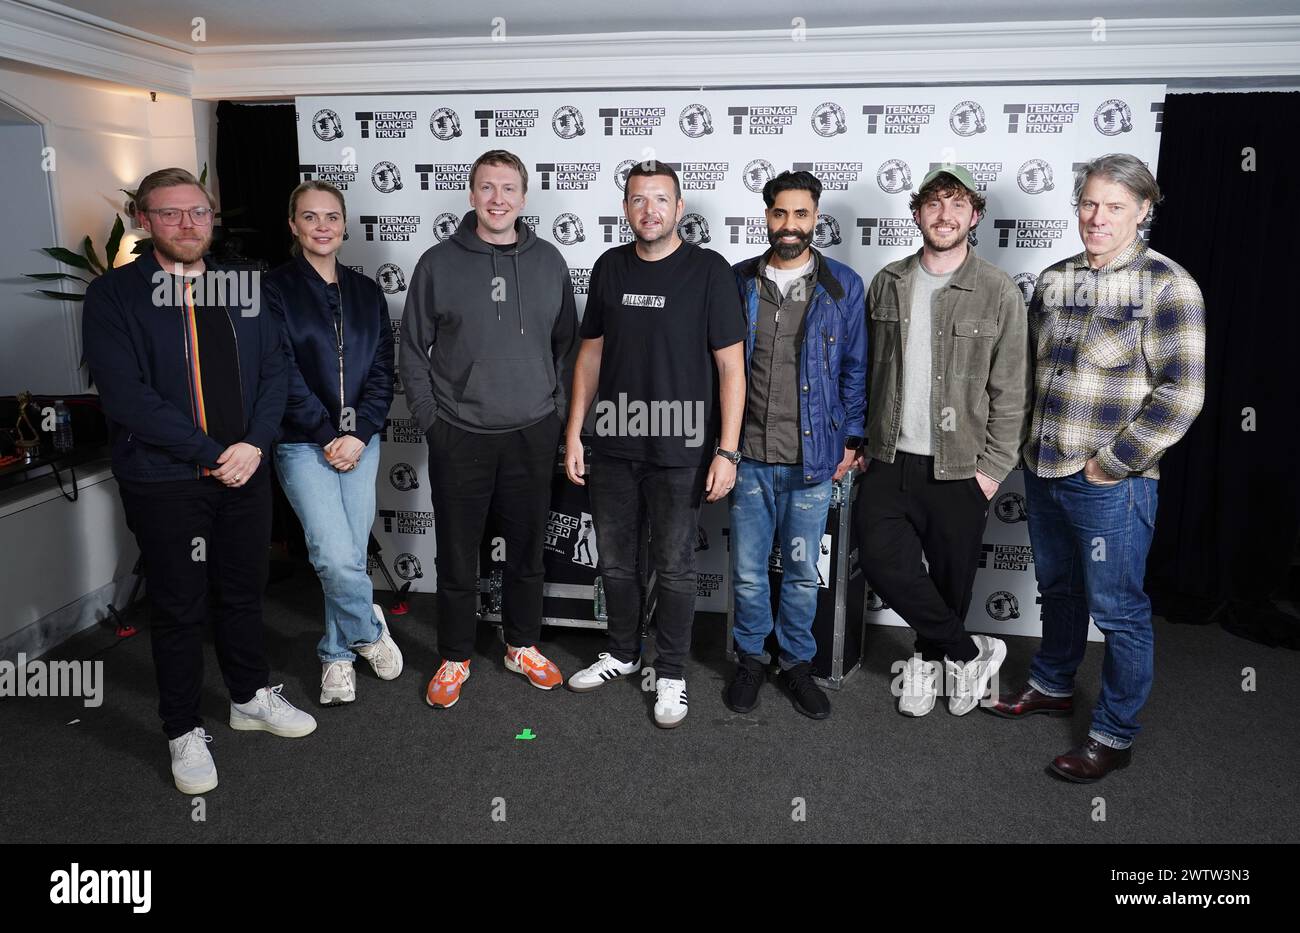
(271, 712)
(384, 655)
(920, 687)
(193, 769)
(969, 682)
(670, 702)
(338, 683)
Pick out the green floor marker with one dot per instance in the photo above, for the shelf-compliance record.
(527, 735)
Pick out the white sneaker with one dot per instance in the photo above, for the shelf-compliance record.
(920, 687)
(338, 683)
(606, 668)
(271, 712)
(670, 702)
(970, 681)
(384, 655)
(193, 769)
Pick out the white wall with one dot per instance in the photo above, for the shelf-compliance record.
(103, 138)
(34, 350)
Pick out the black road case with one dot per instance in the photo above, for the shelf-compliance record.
(572, 594)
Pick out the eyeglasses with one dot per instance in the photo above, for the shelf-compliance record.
(171, 216)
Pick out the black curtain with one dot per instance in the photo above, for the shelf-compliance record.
(1226, 529)
(257, 169)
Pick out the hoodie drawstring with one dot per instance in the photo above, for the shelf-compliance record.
(519, 301)
(494, 280)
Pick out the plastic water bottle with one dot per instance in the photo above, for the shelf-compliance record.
(598, 594)
(63, 428)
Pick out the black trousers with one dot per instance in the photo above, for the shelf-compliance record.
(203, 543)
(625, 494)
(903, 511)
(505, 475)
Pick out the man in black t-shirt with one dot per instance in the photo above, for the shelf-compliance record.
(663, 346)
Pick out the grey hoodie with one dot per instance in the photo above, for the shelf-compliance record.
(488, 336)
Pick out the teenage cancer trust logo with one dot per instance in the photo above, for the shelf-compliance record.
(326, 125)
(567, 123)
(444, 124)
(1112, 118)
(894, 176)
(1035, 177)
(386, 178)
(695, 121)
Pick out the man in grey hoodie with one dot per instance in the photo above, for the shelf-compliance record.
(488, 334)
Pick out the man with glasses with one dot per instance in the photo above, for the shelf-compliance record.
(193, 387)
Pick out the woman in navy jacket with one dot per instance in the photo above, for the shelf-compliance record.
(340, 346)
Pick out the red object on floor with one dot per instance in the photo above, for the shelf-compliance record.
(399, 609)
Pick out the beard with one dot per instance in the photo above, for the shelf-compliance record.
(183, 253)
(942, 246)
(789, 250)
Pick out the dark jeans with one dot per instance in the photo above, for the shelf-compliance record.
(228, 562)
(624, 494)
(1090, 554)
(902, 512)
(506, 475)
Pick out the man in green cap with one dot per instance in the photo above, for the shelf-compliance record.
(947, 412)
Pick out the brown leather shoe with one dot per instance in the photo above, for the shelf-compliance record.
(1025, 701)
(1090, 762)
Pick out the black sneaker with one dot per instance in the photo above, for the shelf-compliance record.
(742, 692)
(808, 698)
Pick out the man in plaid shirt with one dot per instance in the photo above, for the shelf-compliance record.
(1118, 334)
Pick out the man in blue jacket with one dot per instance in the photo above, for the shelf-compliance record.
(191, 377)
(805, 352)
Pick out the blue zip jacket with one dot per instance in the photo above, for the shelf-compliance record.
(832, 361)
(311, 319)
(134, 340)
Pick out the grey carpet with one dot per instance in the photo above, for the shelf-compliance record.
(1214, 764)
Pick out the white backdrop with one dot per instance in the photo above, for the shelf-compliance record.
(403, 161)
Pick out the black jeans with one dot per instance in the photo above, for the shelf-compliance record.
(509, 476)
(624, 493)
(902, 511)
(200, 539)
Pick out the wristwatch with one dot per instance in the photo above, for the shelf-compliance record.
(732, 455)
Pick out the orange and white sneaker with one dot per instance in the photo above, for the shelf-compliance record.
(530, 662)
(444, 689)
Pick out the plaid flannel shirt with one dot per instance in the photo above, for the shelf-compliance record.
(1119, 363)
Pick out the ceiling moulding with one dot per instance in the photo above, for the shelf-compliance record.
(982, 53)
(93, 49)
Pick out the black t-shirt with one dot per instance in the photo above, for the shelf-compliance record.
(657, 400)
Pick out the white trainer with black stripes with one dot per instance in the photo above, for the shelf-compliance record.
(670, 702)
(606, 668)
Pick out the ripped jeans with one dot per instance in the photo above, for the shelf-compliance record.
(772, 500)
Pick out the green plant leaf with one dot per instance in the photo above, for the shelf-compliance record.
(64, 296)
(55, 276)
(142, 246)
(88, 248)
(114, 241)
(203, 175)
(67, 257)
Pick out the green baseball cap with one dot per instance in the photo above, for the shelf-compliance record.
(956, 171)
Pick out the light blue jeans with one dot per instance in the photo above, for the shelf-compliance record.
(336, 510)
(773, 499)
